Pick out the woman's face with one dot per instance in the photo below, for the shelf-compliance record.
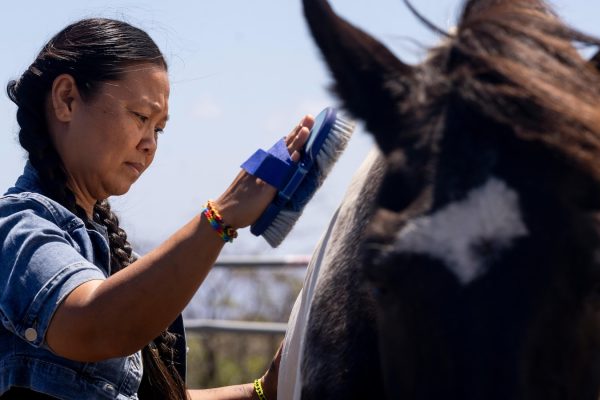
(110, 139)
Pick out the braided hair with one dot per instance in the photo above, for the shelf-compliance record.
(91, 51)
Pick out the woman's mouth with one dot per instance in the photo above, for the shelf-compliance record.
(137, 167)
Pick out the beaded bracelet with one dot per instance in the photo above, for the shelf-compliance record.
(259, 389)
(226, 232)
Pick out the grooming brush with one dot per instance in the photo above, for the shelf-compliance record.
(327, 140)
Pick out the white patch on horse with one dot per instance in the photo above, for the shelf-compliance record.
(489, 214)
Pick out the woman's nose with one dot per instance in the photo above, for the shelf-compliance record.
(148, 143)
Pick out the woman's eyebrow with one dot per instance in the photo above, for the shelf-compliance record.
(154, 106)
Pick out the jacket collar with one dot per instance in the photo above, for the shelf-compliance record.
(29, 181)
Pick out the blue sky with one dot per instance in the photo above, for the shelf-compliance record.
(242, 74)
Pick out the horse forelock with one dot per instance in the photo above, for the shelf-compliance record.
(511, 66)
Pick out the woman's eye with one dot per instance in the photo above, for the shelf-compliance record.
(159, 131)
(141, 117)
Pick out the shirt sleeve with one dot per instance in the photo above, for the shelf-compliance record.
(39, 266)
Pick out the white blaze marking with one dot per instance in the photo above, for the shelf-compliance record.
(489, 213)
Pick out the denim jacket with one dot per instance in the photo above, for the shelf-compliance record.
(46, 252)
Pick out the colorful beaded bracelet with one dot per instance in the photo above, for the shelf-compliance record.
(226, 232)
(259, 389)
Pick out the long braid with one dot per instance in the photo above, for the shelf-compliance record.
(91, 51)
(120, 249)
(163, 377)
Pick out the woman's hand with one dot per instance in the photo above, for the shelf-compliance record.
(245, 391)
(247, 197)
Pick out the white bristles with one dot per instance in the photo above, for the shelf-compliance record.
(281, 227)
(330, 151)
(334, 145)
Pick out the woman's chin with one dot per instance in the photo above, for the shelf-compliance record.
(121, 189)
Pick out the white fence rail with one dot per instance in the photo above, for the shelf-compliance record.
(247, 327)
(214, 325)
(262, 261)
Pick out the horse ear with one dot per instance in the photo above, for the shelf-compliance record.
(361, 66)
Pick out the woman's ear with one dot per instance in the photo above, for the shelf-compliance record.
(64, 92)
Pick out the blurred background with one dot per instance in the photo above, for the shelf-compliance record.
(242, 75)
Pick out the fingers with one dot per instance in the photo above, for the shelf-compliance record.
(298, 136)
(307, 121)
(298, 143)
(290, 137)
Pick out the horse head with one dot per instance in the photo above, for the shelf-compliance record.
(482, 254)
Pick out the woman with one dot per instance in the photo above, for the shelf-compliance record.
(76, 305)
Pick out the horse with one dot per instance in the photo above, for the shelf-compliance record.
(465, 263)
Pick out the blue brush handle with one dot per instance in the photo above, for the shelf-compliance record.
(286, 194)
(282, 197)
(265, 219)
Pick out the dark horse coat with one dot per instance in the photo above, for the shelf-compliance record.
(469, 266)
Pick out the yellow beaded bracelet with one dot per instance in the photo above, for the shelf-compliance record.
(226, 232)
(259, 389)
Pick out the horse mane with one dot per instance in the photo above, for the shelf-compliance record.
(515, 64)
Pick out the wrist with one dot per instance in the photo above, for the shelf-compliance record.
(227, 209)
(259, 390)
(213, 216)
(252, 393)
